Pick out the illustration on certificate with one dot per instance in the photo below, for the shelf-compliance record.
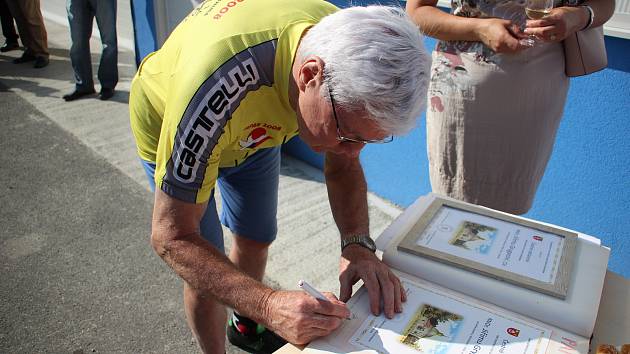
(474, 237)
(430, 328)
(496, 243)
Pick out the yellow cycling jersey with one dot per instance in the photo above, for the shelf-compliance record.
(217, 90)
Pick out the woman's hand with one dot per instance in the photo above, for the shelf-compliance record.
(559, 24)
(502, 36)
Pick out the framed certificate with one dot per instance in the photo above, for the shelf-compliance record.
(523, 252)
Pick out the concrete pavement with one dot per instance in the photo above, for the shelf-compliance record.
(78, 273)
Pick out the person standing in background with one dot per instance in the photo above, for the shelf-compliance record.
(30, 24)
(81, 14)
(495, 104)
(8, 29)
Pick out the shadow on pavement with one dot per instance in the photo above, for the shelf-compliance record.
(78, 273)
(57, 78)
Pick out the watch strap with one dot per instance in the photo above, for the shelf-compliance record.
(362, 240)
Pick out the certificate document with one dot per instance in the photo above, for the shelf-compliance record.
(503, 246)
(437, 323)
(500, 244)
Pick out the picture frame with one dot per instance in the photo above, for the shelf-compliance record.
(562, 263)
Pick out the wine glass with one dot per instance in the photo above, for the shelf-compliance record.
(535, 10)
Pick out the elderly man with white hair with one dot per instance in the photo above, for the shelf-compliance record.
(235, 80)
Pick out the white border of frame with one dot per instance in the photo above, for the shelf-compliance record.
(557, 289)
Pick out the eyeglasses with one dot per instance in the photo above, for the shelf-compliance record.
(343, 139)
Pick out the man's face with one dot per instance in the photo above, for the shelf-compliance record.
(323, 124)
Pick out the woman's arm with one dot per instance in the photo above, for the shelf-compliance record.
(602, 11)
(498, 34)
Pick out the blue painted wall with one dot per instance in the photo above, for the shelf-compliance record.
(587, 183)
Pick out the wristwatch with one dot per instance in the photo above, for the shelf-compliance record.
(363, 240)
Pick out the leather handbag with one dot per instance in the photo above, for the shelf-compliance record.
(585, 52)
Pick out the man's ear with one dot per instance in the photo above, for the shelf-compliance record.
(311, 74)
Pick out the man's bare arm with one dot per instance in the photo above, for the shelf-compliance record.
(176, 239)
(294, 315)
(347, 192)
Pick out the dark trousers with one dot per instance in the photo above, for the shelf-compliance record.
(30, 24)
(81, 14)
(8, 28)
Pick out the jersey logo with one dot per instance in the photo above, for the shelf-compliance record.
(208, 112)
(255, 138)
(208, 119)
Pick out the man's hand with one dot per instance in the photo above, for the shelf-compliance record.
(299, 318)
(358, 262)
(559, 24)
(499, 35)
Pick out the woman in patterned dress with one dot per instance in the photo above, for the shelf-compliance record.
(495, 104)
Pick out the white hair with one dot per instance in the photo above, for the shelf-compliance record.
(374, 60)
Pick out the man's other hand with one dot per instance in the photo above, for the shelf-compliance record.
(358, 262)
(299, 318)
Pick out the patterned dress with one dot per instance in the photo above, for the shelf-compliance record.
(492, 117)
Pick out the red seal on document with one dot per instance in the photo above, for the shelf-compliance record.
(514, 332)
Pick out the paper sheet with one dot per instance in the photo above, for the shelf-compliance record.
(577, 313)
(496, 243)
(436, 320)
(442, 324)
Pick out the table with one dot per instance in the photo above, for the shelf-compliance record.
(613, 318)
